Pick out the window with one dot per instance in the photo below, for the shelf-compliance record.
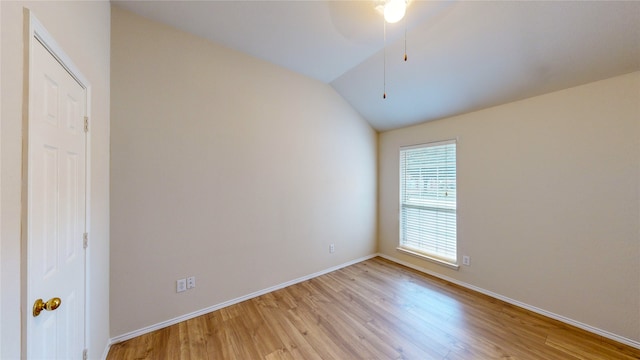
(428, 201)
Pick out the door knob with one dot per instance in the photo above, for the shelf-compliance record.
(50, 305)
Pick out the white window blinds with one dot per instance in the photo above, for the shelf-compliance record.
(428, 200)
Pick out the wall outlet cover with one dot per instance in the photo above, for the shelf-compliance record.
(466, 260)
(181, 285)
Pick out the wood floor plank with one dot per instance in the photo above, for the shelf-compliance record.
(374, 309)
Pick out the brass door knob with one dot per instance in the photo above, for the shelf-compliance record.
(50, 305)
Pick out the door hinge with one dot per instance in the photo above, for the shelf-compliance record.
(85, 354)
(86, 124)
(85, 240)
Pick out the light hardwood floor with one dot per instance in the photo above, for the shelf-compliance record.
(375, 309)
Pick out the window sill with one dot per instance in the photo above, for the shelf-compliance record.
(429, 258)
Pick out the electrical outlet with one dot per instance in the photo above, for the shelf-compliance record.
(466, 260)
(332, 248)
(181, 285)
(191, 282)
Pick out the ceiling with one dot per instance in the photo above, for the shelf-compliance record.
(462, 55)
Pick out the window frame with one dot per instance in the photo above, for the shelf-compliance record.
(426, 255)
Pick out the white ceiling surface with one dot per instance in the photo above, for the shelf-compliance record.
(463, 56)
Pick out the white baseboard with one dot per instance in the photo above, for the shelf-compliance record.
(207, 310)
(534, 309)
(105, 353)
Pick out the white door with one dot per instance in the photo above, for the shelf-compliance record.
(55, 208)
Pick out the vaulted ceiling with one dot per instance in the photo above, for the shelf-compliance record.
(462, 55)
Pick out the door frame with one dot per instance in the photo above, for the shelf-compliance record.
(34, 31)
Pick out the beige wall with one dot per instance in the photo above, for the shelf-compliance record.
(548, 201)
(83, 30)
(226, 168)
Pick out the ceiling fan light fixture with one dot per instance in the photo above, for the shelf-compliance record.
(394, 10)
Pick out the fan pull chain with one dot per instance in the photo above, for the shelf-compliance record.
(384, 71)
(405, 38)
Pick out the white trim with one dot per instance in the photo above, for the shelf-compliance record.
(105, 353)
(430, 144)
(534, 309)
(531, 308)
(426, 257)
(237, 300)
(38, 31)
